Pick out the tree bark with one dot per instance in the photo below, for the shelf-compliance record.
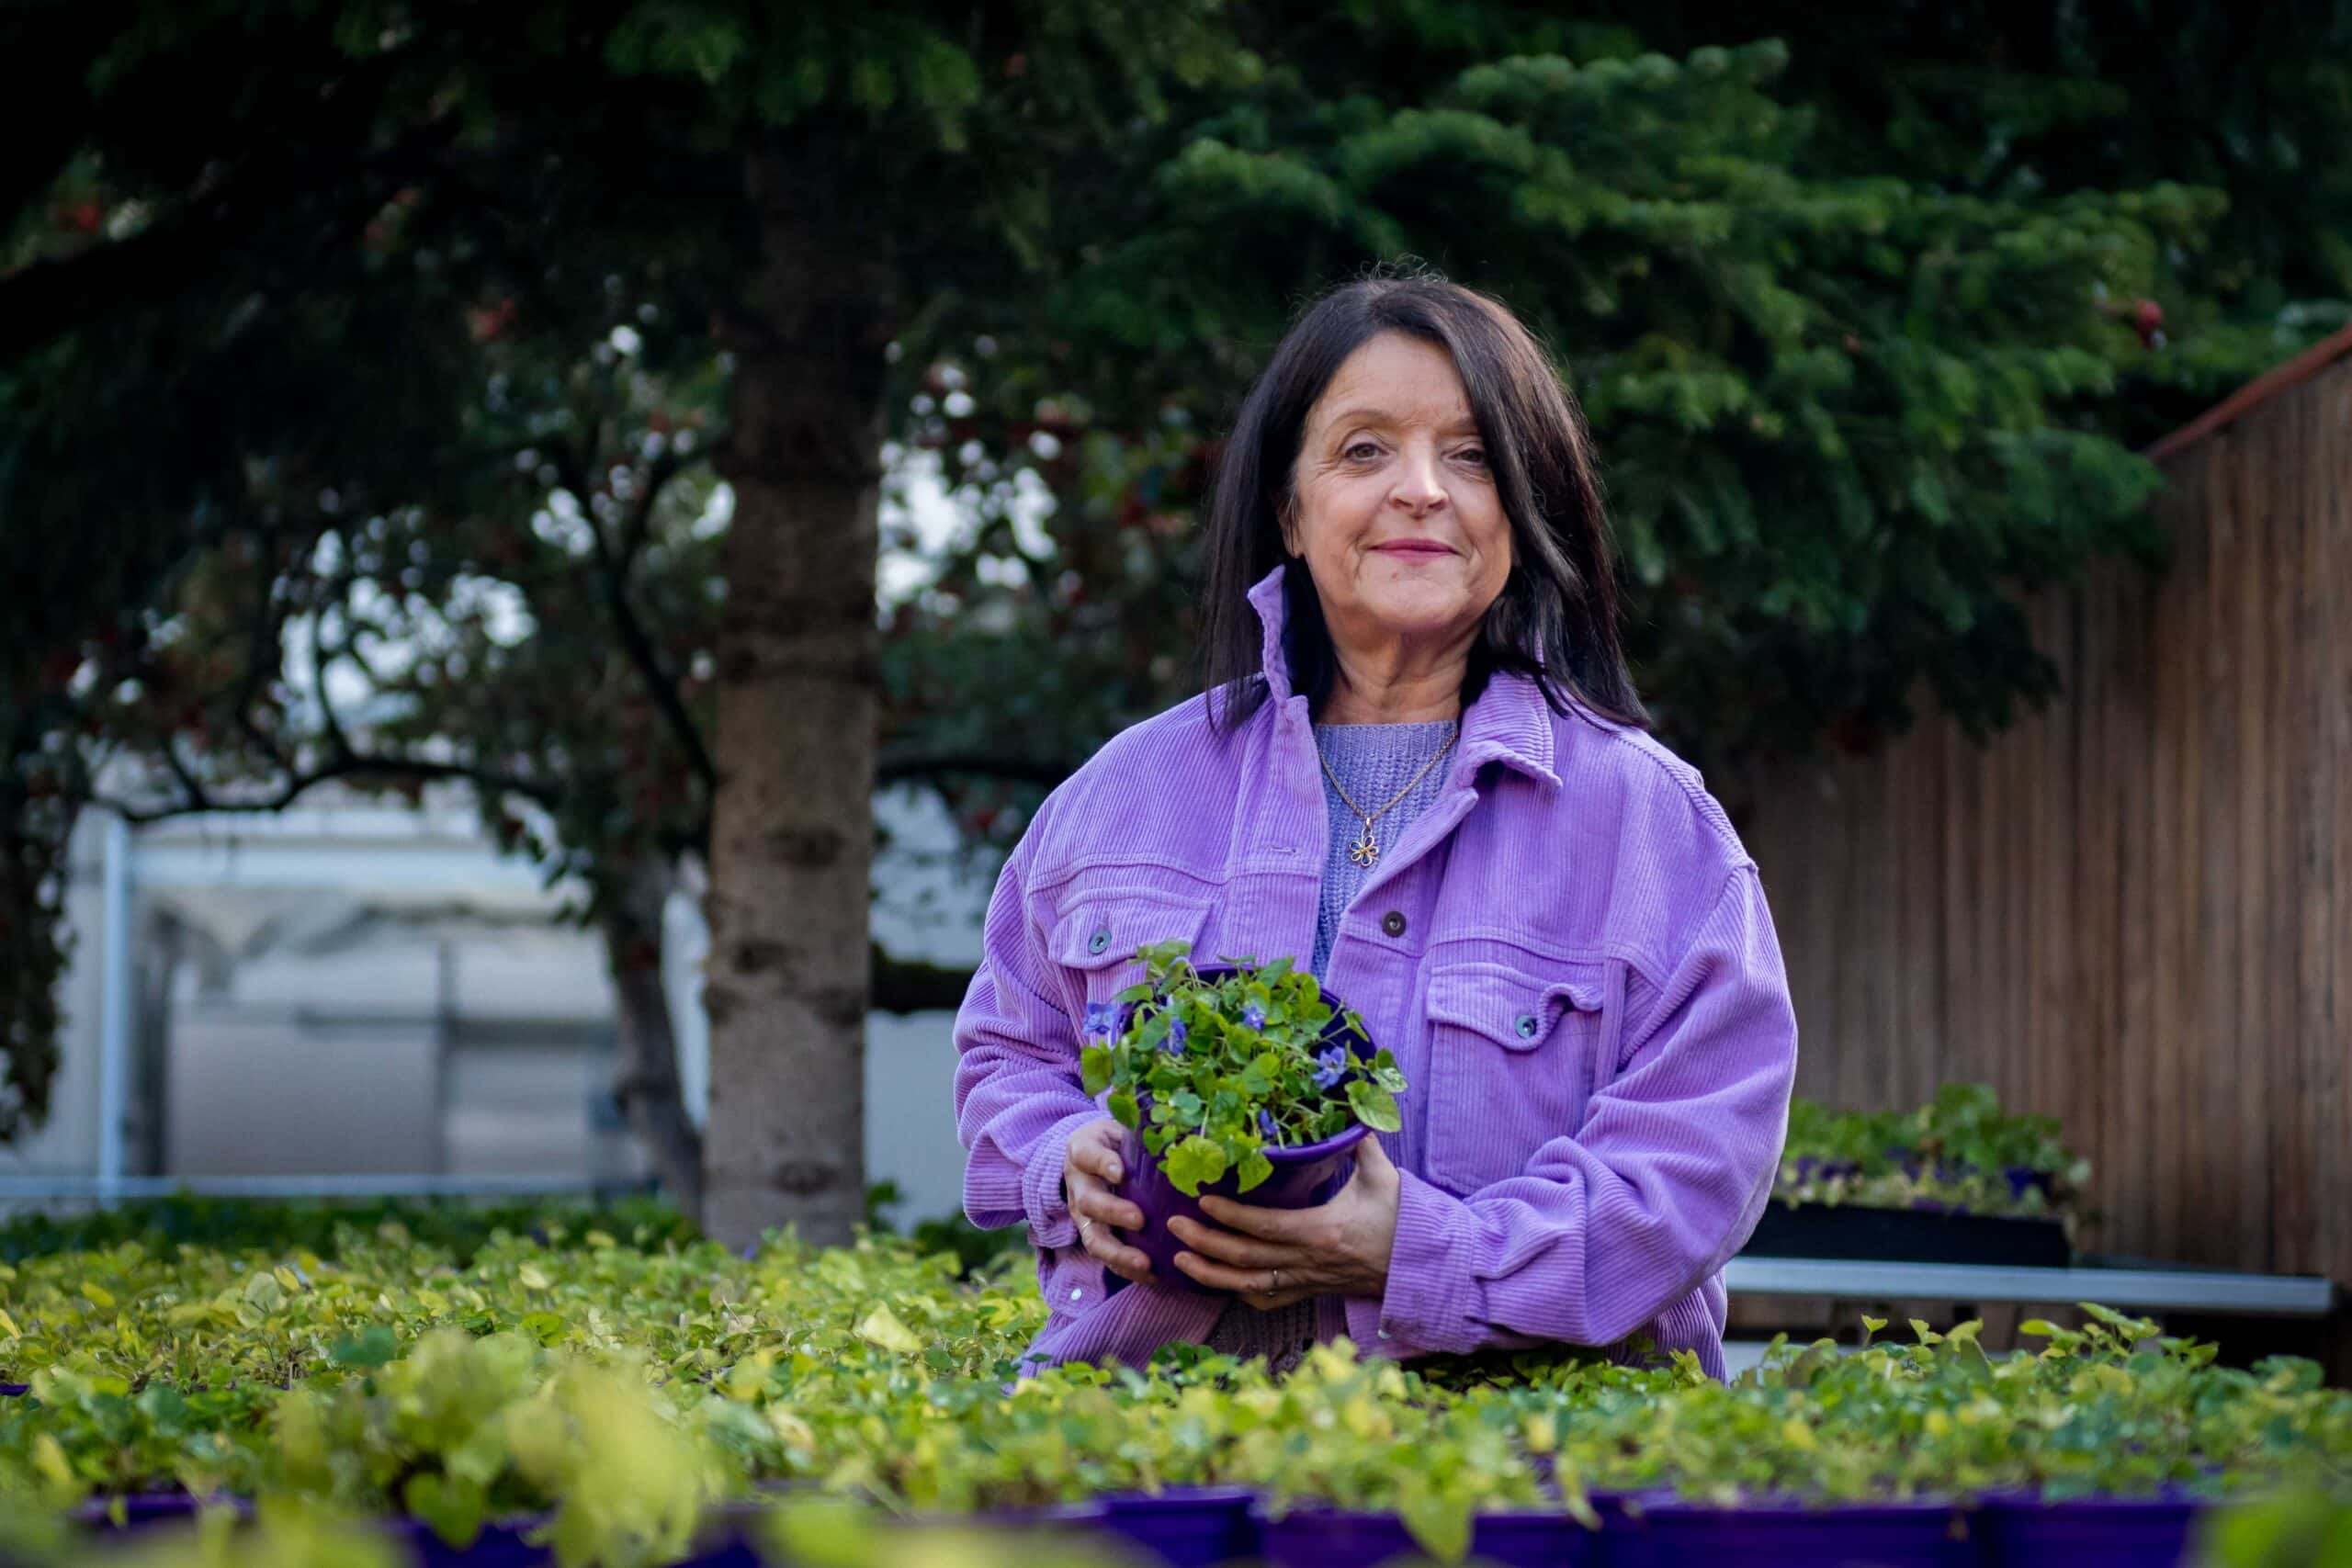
(646, 1078)
(788, 980)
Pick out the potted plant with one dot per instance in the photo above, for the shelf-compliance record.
(1358, 1461)
(1241, 1080)
(1953, 1181)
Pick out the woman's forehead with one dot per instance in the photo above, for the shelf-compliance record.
(1396, 380)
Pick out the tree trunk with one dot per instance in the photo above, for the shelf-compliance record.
(792, 832)
(646, 1078)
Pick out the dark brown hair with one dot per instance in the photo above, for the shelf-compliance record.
(1557, 617)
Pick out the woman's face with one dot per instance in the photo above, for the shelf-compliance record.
(1396, 512)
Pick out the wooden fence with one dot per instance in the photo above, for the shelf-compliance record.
(2133, 910)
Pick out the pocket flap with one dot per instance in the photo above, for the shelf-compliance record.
(1514, 1010)
(1103, 929)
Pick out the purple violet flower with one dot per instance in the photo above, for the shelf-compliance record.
(1266, 1125)
(1333, 1065)
(1254, 1016)
(1099, 1016)
(1174, 1044)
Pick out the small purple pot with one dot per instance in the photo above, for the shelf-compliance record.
(498, 1544)
(1664, 1528)
(1310, 1536)
(12, 1390)
(2022, 1176)
(1088, 1512)
(1186, 1526)
(143, 1508)
(1304, 1176)
(2021, 1530)
(730, 1532)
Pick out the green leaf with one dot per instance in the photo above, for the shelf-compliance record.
(823, 1532)
(881, 1327)
(453, 1507)
(1254, 1168)
(1094, 1069)
(1375, 1106)
(371, 1346)
(1195, 1160)
(1440, 1525)
(1122, 1107)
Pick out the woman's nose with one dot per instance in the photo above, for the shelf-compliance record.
(1418, 488)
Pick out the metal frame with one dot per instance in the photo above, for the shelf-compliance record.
(364, 1184)
(2143, 1287)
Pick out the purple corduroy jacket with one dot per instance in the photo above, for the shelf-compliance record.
(1568, 951)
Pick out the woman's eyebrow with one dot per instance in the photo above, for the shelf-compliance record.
(1464, 423)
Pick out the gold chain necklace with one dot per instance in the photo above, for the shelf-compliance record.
(1365, 851)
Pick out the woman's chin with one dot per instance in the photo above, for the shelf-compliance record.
(1417, 611)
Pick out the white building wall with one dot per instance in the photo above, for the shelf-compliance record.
(380, 992)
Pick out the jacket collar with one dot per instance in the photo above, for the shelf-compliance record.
(1509, 723)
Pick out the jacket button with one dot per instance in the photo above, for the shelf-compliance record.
(1099, 941)
(1392, 922)
(1526, 1026)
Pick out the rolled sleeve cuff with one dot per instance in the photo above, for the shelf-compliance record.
(1433, 1296)
(1050, 1224)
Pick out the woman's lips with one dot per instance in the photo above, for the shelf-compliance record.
(1414, 547)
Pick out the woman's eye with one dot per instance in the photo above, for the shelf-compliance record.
(1475, 454)
(1362, 446)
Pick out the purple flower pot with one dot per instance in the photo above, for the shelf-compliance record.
(2022, 1176)
(1303, 1177)
(1312, 1537)
(143, 1508)
(11, 1390)
(2021, 1530)
(1186, 1526)
(1660, 1528)
(498, 1544)
(731, 1531)
(1048, 1516)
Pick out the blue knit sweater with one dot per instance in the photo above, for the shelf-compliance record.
(1374, 761)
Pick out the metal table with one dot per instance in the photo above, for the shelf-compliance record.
(2125, 1284)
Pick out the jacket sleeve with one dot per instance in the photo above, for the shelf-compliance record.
(1018, 1096)
(1664, 1182)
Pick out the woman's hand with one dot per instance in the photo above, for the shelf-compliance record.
(1340, 1248)
(1090, 1170)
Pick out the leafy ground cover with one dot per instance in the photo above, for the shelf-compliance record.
(618, 1384)
(1961, 1152)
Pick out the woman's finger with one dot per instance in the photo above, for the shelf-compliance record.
(1223, 1246)
(1250, 1282)
(1286, 1228)
(1096, 1161)
(1106, 1209)
(1127, 1261)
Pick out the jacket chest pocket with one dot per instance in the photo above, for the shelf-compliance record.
(1095, 936)
(1514, 1057)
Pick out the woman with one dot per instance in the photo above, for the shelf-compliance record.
(1419, 757)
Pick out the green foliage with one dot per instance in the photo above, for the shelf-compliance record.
(325, 1226)
(1961, 1144)
(1213, 1071)
(616, 1395)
